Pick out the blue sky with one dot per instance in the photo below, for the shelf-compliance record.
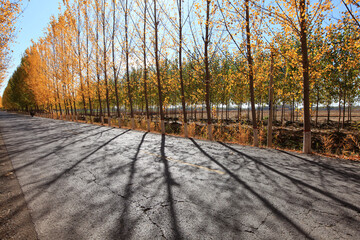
(31, 24)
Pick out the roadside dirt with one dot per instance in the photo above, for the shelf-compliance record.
(15, 219)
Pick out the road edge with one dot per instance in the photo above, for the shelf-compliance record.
(16, 221)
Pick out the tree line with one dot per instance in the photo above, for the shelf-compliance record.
(122, 58)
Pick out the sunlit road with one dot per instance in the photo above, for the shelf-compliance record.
(83, 181)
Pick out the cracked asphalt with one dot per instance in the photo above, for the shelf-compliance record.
(83, 181)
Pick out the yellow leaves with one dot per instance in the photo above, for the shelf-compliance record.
(61, 59)
(9, 12)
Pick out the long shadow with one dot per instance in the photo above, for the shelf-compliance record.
(27, 120)
(325, 166)
(54, 180)
(266, 202)
(133, 163)
(29, 126)
(170, 182)
(49, 139)
(57, 149)
(126, 225)
(67, 170)
(46, 185)
(297, 181)
(52, 140)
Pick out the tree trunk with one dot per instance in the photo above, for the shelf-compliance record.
(248, 111)
(293, 110)
(59, 104)
(344, 111)
(222, 113)
(181, 72)
(192, 111)
(306, 84)
(282, 112)
(66, 109)
(251, 74)
(317, 112)
(105, 62)
(114, 64)
(350, 109)
(79, 58)
(195, 112)
(97, 62)
(297, 113)
(227, 111)
(202, 111)
(207, 70)
(74, 102)
(71, 110)
(271, 96)
(240, 117)
(127, 66)
(145, 71)
(339, 121)
(88, 63)
(158, 72)
(290, 111)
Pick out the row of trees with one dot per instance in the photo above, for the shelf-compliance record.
(9, 13)
(150, 55)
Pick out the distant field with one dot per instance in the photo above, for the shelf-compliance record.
(233, 114)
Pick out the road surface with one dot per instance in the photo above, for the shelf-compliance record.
(83, 181)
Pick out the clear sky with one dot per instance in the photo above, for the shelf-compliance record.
(31, 24)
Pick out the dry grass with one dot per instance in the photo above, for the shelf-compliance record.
(328, 143)
(351, 145)
(244, 134)
(191, 129)
(335, 144)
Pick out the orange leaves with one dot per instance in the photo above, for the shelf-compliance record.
(9, 12)
(78, 45)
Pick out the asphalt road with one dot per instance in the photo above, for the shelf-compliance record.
(84, 181)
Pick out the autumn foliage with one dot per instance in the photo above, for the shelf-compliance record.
(9, 12)
(135, 60)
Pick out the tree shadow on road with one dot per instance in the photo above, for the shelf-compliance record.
(126, 224)
(67, 170)
(266, 202)
(170, 182)
(50, 138)
(58, 148)
(84, 158)
(155, 213)
(345, 174)
(296, 181)
(28, 137)
(135, 210)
